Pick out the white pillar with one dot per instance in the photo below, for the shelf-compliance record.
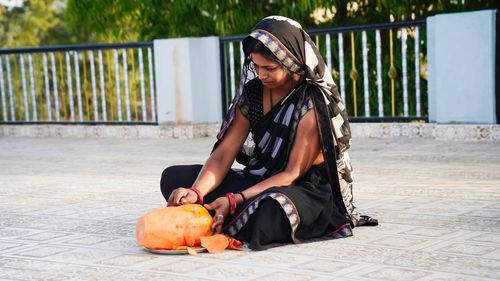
(461, 67)
(187, 74)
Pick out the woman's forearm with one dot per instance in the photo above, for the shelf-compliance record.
(222, 158)
(284, 178)
(212, 173)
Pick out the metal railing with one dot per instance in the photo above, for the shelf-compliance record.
(380, 70)
(89, 84)
(391, 58)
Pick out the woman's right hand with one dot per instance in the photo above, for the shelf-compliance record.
(181, 196)
(221, 208)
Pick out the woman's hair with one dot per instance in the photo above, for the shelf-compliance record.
(253, 45)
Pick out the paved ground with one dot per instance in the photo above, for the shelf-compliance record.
(68, 209)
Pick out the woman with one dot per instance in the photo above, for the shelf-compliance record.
(296, 184)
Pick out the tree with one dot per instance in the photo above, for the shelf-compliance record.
(37, 22)
(151, 19)
(137, 20)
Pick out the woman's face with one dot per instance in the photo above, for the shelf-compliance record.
(270, 72)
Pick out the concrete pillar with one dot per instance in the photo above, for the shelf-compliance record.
(461, 67)
(188, 86)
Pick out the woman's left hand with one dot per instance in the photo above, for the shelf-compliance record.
(181, 196)
(221, 208)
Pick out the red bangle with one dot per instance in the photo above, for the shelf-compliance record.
(198, 194)
(232, 202)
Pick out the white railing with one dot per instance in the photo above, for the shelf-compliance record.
(106, 83)
(114, 83)
(388, 88)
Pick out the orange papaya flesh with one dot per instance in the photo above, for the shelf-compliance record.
(169, 228)
(216, 243)
(235, 244)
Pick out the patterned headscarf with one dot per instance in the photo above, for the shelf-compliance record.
(296, 51)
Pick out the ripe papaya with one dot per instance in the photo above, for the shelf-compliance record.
(169, 228)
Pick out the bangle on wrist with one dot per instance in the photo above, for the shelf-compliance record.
(232, 202)
(242, 196)
(198, 194)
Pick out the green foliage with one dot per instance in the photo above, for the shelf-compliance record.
(151, 19)
(132, 20)
(45, 22)
(376, 11)
(37, 22)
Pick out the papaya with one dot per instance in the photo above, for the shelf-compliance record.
(170, 228)
(216, 243)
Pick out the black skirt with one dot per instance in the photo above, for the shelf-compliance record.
(277, 216)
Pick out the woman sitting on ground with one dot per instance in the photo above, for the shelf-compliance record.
(296, 184)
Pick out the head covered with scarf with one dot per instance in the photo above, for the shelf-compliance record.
(295, 51)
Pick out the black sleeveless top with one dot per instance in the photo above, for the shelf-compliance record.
(251, 102)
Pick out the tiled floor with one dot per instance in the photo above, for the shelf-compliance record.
(68, 209)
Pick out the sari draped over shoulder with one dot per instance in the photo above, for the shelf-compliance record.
(320, 203)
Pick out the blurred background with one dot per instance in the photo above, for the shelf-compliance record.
(47, 22)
